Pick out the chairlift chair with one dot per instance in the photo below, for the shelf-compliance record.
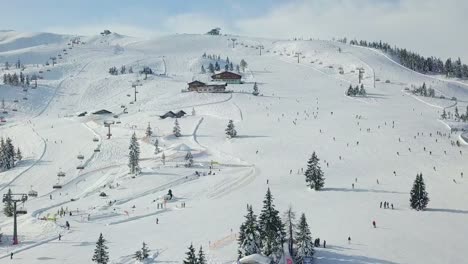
(97, 150)
(80, 167)
(22, 210)
(95, 139)
(32, 193)
(61, 174)
(80, 157)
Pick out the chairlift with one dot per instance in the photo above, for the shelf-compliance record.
(57, 186)
(22, 210)
(5, 112)
(16, 100)
(61, 174)
(95, 139)
(80, 167)
(80, 156)
(25, 98)
(131, 102)
(32, 193)
(97, 150)
(25, 89)
(14, 110)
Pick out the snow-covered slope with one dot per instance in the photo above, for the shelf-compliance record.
(302, 108)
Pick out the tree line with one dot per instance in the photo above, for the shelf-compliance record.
(416, 62)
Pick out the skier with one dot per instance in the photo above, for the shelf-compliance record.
(157, 220)
(324, 243)
(60, 237)
(11, 255)
(349, 240)
(352, 185)
(50, 196)
(380, 205)
(373, 223)
(392, 206)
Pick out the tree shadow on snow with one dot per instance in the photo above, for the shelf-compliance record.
(442, 210)
(330, 257)
(359, 190)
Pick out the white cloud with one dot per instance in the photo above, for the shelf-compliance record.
(431, 27)
(88, 30)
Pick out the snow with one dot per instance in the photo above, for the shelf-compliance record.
(50, 136)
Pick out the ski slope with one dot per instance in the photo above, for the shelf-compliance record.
(302, 108)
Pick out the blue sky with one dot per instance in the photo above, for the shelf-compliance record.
(431, 27)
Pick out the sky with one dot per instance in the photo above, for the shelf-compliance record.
(429, 27)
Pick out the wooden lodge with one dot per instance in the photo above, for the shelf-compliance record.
(227, 77)
(201, 87)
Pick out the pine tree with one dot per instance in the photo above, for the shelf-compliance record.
(19, 155)
(271, 229)
(203, 69)
(457, 114)
(156, 147)
(217, 67)
(419, 197)
(249, 235)
(444, 114)
(4, 160)
(8, 208)
(201, 256)
(290, 226)
(176, 129)
(101, 256)
(134, 154)
(230, 130)
(304, 246)
(314, 174)
(243, 65)
(10, 154)
(191, 257)
(226, 67)
(142, 254)
(255, 89)
(211, 68)
(149, 131)
(188, 159)
(231, 67)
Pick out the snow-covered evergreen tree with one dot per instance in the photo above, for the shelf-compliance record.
(101, 256)
(314, 174)
(217, 67)
(188, 159)
(418, 196)
(255, 89)
(19, 155)
(176, 129)
(444, 114)
(243, 65)
(230, 130)
(149, 131)
(8, 208)
(304, 246)
(134, 155)
(201, 259)
(191, 256)
(457, 114)
(143, 253)
(271, 229)
(249, 236)
(156, 147)
(211, 68)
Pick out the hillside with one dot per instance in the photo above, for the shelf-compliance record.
(370, 149)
